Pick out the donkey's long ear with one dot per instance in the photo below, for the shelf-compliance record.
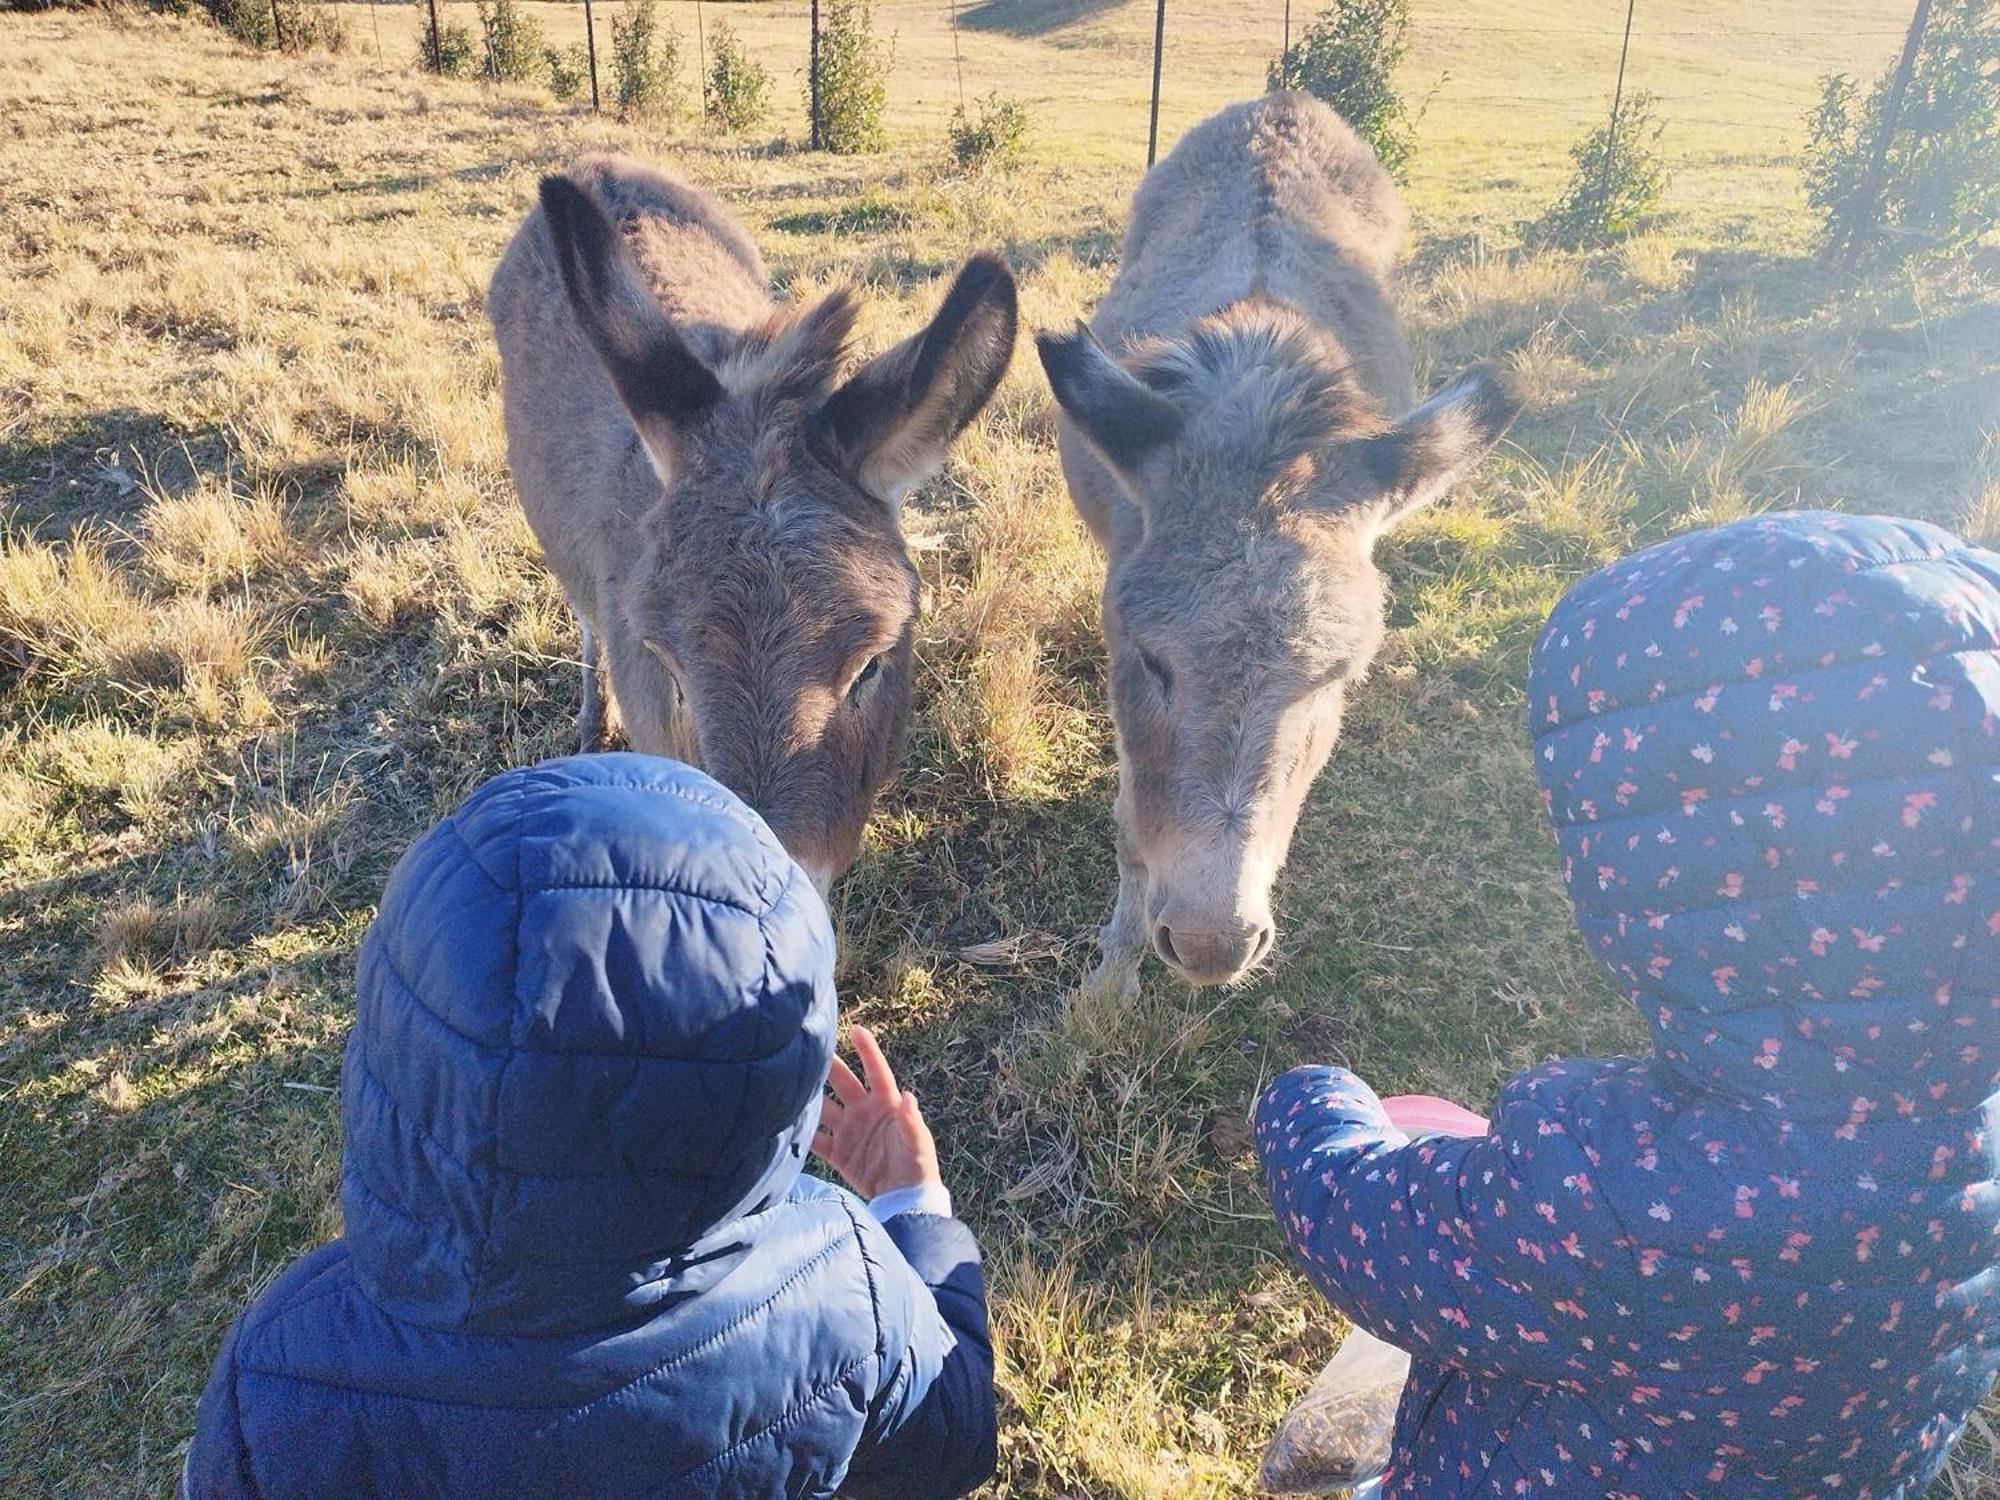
(1123, 418)
(661, 382)
(890, 425)
(1436, 446)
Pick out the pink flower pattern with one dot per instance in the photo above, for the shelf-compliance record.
(1763, 1259)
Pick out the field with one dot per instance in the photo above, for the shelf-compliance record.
(267, 607)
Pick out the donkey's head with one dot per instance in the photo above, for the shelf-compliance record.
(773, 610)
(1243, 598)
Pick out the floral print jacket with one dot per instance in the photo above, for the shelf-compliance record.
(1761, 1260)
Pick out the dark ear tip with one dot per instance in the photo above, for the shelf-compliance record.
(558, 194)
(1497, 396)
(1060, 352)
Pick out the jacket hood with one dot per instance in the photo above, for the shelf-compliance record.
(1768, 752)
(594, 1017)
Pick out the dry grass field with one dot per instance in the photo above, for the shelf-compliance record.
(267, 607)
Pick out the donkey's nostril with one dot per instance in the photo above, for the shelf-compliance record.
(1163, 942)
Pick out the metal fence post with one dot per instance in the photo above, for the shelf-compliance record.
(437, 42)
(1159, 42)
(1617, 101)
(590, 46)
(1860, 217)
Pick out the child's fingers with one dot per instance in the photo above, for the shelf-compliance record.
(874, 1066)
(847, 1089)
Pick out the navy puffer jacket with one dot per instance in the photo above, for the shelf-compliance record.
(595, 1016)
(1758, 1261)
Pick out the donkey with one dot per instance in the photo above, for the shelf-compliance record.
(1237, 432)
(720, 507)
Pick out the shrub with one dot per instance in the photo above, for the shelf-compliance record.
(853, 79)
(995, 136)
(513, 40)
(455, 53)
(1618, 181)
(569, 71)
(1348, 57)
(298, 26)
(645, 62)
(1940, 186)
(738, 85)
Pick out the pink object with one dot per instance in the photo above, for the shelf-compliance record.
(1426, 1114)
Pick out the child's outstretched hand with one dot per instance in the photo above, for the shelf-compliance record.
(871, 1132)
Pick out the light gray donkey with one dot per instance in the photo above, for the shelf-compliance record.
(1237, 433)
(720, 507)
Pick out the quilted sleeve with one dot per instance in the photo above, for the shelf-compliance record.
(1477, 1252)
(933, 1429)
(218, 1465)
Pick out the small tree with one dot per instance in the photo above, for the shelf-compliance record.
(1348, 57)
(645, 62)
(853, 79)
(1940, 185)
(1618, 180)
(995, 136)
(568, 69)
(513, 40)
(738, 85)
(454, 54)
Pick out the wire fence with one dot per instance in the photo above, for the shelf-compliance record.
(1167, 63)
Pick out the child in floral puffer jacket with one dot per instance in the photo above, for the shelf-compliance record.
(1759, 1261)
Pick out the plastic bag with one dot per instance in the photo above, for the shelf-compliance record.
(1337, 1434)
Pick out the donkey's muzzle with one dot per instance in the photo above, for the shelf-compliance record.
(1206, 955)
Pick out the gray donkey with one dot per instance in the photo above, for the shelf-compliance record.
(720, 507)
(1237, 433)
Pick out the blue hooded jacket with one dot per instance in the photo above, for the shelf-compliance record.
(1760, 1260)
(595, 1014)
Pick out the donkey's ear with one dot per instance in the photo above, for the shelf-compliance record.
(890, 425)
(1435, 446)
(1123, 418)
(658, 378)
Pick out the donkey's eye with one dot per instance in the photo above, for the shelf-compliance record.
(865, 676)
(1163, 679)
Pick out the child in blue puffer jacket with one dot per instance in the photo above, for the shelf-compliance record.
(595, 1019)
(1759, 1261)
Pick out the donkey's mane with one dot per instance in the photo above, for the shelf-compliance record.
(793, 355)
(1287, 386)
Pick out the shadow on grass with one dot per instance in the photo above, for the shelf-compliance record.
(98, 467)
(1032, 18)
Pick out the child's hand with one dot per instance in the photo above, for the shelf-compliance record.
(872, 1133)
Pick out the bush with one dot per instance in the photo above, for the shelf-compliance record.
(645, 62)
(996, 136)
(1940, 186)
(568, 69)
(456, 50)
(1618, 181)
(513, 39)
(853, 79)
(1348, 57)
(738, 85)
(298, 27)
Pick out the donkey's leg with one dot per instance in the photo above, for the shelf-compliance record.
(590, 712)
(1122, 940)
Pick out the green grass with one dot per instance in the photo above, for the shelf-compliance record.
(267, 606)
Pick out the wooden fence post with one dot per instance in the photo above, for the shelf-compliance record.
(1860, 217)
(1159, 42)
(437, 42)
(813, 68)
(590, 46)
